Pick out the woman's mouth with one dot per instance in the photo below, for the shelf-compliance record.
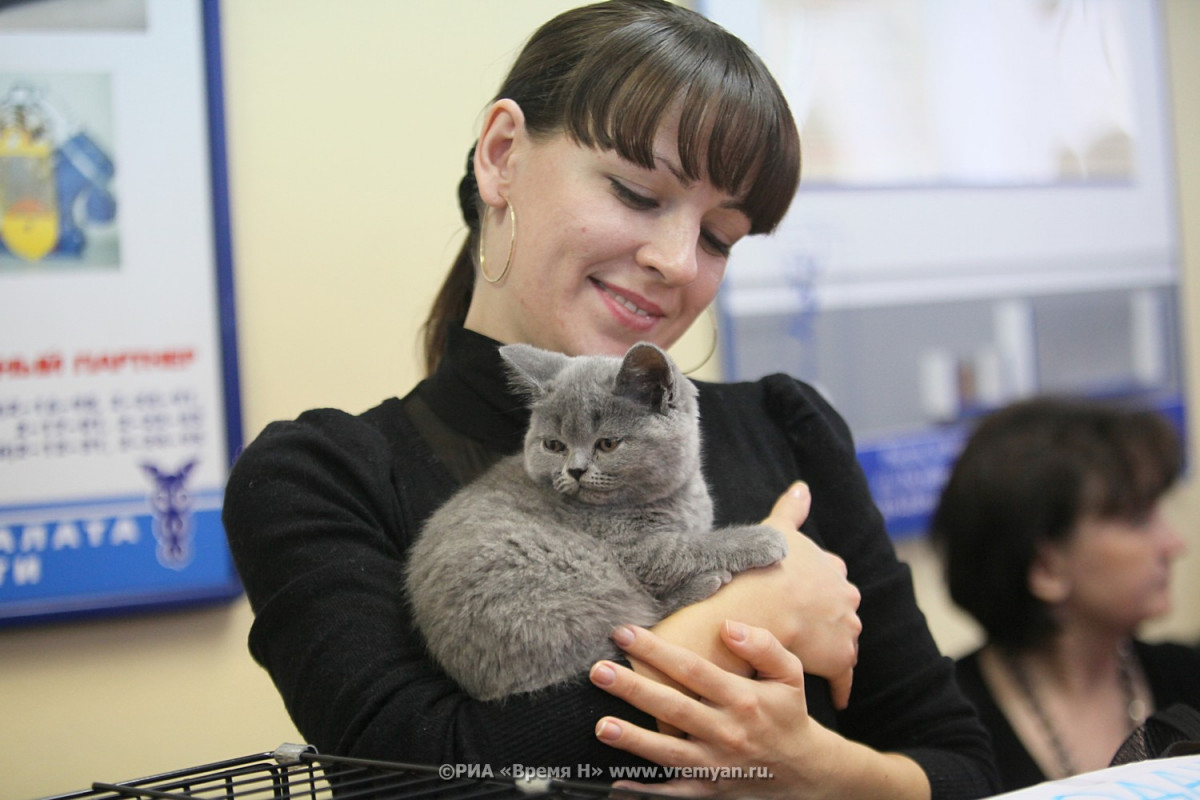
(646, 312)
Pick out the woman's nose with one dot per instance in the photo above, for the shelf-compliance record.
(1176, 544)
(1169, 538)
(671, 251)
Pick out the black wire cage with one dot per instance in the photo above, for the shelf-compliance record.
(299, 772)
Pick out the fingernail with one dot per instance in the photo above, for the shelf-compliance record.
(603, 675)
(623, 636)
(737, 631)
(799, 489)
(607, 731)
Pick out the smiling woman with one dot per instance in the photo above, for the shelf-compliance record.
(655, 102)
(606, 253)
(632, 145)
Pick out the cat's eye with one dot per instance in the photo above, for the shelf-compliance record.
(554, 446)
(607, 445)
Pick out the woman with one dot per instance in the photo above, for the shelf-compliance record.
(632, 145)
(1054, 540)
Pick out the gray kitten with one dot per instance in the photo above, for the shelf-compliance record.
(518, 580)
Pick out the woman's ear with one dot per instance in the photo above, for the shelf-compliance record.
(1049, 579)
(496, 154)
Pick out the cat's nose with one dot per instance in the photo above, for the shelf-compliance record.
(576, 472)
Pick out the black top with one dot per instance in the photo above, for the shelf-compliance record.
(1172, 670)
(321, 511)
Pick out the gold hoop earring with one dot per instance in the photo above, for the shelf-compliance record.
(712, 346)
(512, 243)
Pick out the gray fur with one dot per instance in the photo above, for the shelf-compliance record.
(518, 580)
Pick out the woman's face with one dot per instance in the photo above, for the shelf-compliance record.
(607, 253)
(1118, 570)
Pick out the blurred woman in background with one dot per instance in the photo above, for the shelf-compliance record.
(1054, 541)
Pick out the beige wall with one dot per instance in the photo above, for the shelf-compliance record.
(348, 126)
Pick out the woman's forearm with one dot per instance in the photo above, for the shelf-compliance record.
(805, 601)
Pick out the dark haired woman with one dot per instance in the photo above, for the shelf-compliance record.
(1054, 541)
(633, 144)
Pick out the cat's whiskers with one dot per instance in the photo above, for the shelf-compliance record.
(600, 481)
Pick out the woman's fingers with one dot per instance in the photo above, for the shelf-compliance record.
(669, 751)
(719, 692)
(733, 724)
(661, 702)
(762, 651)
(791, 509)
(823, 610)
(675, 788)
(839, 688)
(694, 673)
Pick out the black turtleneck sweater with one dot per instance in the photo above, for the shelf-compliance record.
(320, 513)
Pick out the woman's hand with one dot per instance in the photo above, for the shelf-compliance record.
(805, 601)
(825, 627)
(744, 736)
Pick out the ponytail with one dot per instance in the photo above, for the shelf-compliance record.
(454, 298)
(450, 306)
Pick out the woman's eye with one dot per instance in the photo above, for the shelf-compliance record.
(714, 245)
(607, 445)
(1141, 519)
(631, 198)
(554, 446)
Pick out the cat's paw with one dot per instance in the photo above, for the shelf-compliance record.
(707, 585)
(695, 589)
(766, 546)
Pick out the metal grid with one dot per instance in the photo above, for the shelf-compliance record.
(298, 772)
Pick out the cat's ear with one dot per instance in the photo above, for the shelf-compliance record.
(647, 376)
(531, 368)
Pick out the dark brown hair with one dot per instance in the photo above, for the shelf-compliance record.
(1027, 475)
(607, 75)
